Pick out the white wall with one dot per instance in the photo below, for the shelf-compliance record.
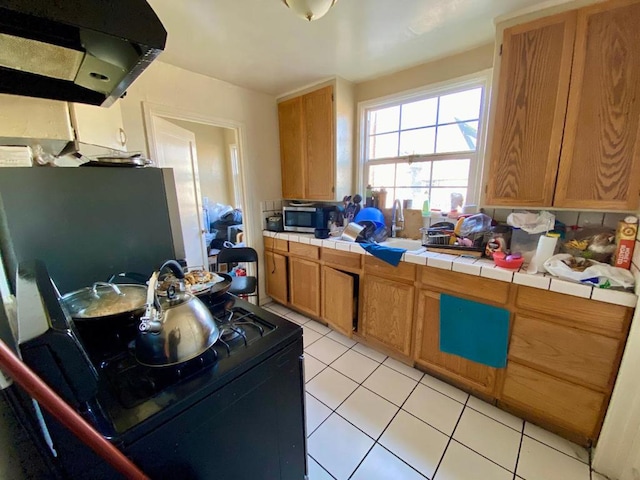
(257, 112)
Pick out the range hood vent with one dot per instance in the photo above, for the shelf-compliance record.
(84, 51)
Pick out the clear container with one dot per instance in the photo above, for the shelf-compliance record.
(525, 243)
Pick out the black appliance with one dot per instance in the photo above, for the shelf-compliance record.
(235, 412)
(306, 219)
(274, 223)
(85, 51)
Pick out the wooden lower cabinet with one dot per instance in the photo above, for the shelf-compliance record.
(387, 313)
(338, 307)
(275, 266)
(553, 402)
(427, 352)
(304, 285)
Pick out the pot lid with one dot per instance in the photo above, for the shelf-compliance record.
(104, 299)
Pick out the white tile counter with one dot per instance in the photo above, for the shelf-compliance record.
(480, 267)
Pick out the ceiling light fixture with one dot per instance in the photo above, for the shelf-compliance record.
(310, 9)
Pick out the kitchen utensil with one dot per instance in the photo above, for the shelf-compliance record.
(135, 160)
(351, 232)
(356, 200)
(500, 259)
(175, 328)
(106, 313)
(321, 233)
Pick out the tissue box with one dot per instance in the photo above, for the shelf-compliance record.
(625, 242)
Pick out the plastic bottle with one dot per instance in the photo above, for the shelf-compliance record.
(426, 214)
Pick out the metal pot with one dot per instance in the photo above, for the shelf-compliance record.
(174, 328)
(106, 315)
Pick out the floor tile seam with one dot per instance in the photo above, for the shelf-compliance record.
(321, 466)
(446, 395)
(554, 448)
(489, 459)
(403, 461)
(389, 366)
(521, 431)
(316, 398)
(316, 358)
(444, 452)
(344, 353)
(515, 474)
(361, 460)
(427, 423)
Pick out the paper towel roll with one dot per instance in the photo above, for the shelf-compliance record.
(544, 251)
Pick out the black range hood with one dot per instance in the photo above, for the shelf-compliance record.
(85, 51)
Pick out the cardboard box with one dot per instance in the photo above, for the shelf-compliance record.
(625, 241)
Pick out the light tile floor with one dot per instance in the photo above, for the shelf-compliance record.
(370, 417)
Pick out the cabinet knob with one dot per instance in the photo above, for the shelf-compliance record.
(123, 137)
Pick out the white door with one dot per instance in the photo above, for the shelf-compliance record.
(176, 149)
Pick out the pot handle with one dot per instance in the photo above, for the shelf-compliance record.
(174, 267)
(113, 286)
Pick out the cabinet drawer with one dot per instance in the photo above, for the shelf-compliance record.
(562, 403)
(484, 288)
(340, 259)
(302, 249)
(279, 244)
(404, 271)
(583, 313)
(574, 354)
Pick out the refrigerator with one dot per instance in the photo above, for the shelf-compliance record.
(87, 223)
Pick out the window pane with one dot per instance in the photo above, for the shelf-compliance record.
(459, 137)
(381, 175)
(460, 106)
(450, 173)
(419, 141)
(419, 114)
(383, 146)
(442, 197)
(415, 175)
(416, 195)
(384, 120)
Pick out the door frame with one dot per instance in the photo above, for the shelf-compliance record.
(150, 110)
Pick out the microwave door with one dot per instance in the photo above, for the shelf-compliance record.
(300, 220)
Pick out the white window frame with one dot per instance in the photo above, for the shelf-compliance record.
(479, 79)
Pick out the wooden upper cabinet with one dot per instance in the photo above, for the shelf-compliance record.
(319, 132)
(532, 100)
(316, 143)
(600, 162)
(291, 148)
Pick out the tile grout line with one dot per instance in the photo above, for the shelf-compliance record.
(320, 465)
(375, 440)
(515, 472)
(444, 452)
(560, 451)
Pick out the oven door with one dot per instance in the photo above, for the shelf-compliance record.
(299, 219)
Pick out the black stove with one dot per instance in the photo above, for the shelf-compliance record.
(133, 383)
(234, 412)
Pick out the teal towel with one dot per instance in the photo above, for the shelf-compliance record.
(390, 255)
(474, 331)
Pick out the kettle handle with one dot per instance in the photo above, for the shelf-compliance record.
(174, 267)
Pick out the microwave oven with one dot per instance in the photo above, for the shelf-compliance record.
(306, 219)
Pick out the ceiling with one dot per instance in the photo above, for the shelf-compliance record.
(260, 44)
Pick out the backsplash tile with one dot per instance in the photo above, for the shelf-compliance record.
(568, 218)
(589, 219)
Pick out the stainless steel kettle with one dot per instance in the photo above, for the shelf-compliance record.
(174, 328)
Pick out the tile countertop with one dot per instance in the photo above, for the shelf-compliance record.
(477, 266)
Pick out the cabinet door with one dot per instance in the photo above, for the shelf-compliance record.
(99, 126)
(387, 313)
(532, 101)
(276, 276)
(291, 148)
(319, 140)
(555, 401)
(427, 348)
(600, 162)
(338, 300)
(304, 285)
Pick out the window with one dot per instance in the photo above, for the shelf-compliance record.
(426, 146)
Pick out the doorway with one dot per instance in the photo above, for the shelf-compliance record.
(206, 155)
